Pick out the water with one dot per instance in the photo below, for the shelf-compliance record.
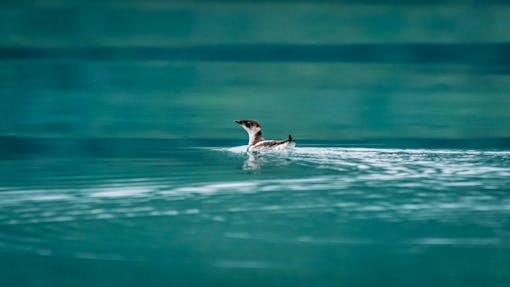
(120, 164)
(161, 212)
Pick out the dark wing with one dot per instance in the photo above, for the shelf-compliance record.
(271, 143)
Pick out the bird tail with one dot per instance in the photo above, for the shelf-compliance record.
(290, 139)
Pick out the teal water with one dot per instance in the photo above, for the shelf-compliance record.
(164, 212)
(120, 164)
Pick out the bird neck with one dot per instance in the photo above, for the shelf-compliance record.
(255, 138)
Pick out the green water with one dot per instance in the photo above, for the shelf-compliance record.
(120, 164)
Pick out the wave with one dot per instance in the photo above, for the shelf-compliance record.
(426, 182)
(386, 163)
(343, 185)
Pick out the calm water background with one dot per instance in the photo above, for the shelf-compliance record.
(120, 163)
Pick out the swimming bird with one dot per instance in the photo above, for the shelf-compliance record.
(256, 141)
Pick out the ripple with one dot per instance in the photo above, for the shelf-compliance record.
(98, 256)
(246, 264)
(215, 188)
(361, 183)
(438, 241)
(121, 191)
(312, 197)
(348, 195)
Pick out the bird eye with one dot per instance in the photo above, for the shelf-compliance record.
(248, 125)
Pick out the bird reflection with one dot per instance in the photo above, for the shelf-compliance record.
(255, 161)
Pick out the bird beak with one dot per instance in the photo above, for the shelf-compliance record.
(239, 122)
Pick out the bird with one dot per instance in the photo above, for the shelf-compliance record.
(256, 141)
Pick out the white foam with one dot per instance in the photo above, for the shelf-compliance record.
(211, 188)
(50, 197)
(119, 191)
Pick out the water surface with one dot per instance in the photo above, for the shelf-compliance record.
(204, 212)
(117, 168)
